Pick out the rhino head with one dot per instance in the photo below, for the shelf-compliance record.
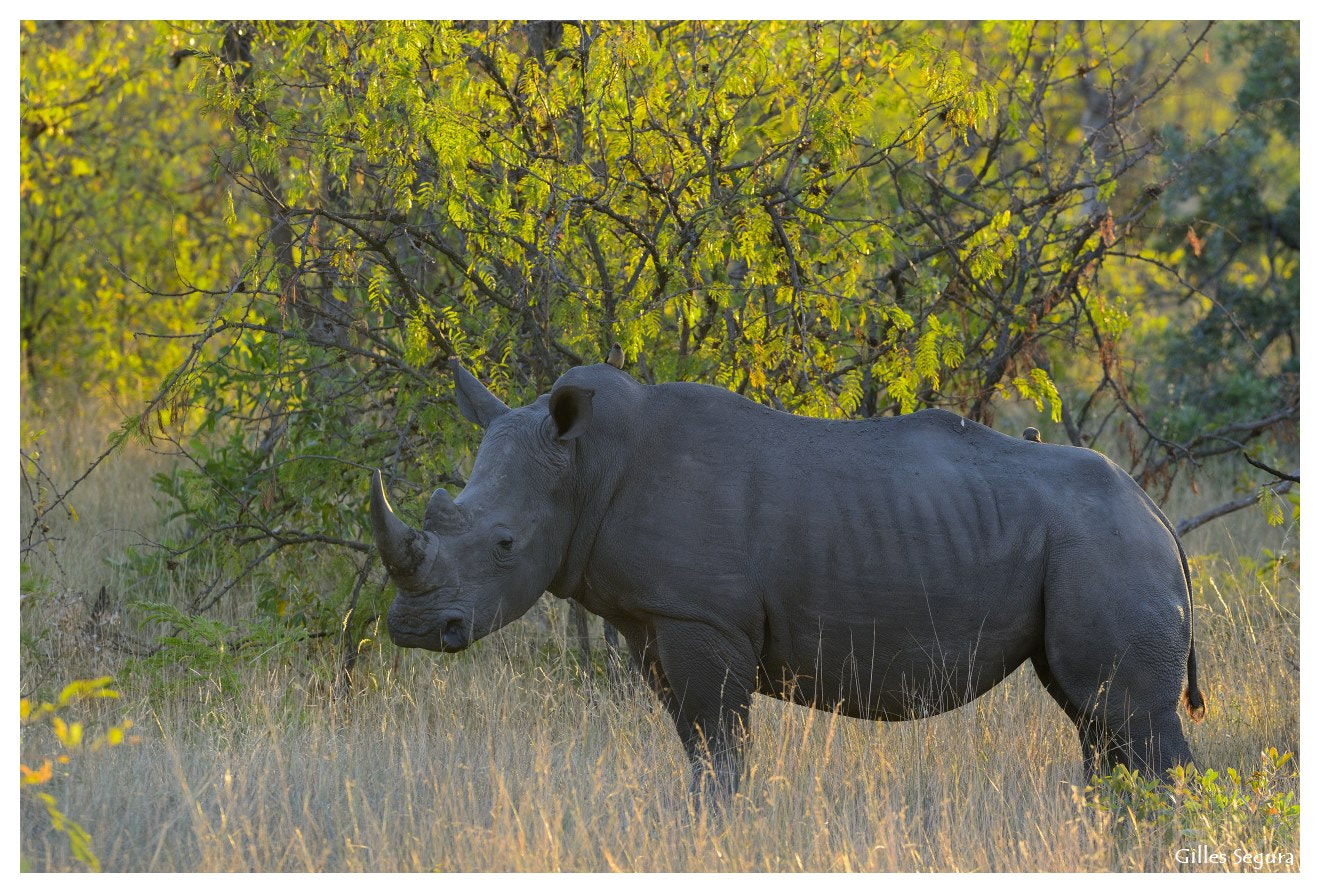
(483, 559)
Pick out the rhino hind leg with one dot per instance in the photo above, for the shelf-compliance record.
(1127, 714)
(1097, 748)
(1153, 743)
(1094, 748)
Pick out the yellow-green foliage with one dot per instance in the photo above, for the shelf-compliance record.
(120, 230)
(839, 219)
(71, 741)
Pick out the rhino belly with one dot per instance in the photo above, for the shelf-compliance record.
(895, 671)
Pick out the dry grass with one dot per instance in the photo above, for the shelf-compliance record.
(113, 510)
(503, 759)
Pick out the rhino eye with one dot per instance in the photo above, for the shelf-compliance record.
(504, 547)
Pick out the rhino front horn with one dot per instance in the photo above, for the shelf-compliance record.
(396, 541)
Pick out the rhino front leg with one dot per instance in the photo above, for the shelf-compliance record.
(710, 676)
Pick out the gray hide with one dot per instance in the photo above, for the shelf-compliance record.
(888, 569)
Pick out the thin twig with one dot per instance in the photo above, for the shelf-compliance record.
(348, 642)
(1281, 475)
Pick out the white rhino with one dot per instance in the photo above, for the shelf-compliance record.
(888, 569)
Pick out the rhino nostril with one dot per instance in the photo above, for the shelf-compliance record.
(454, 634)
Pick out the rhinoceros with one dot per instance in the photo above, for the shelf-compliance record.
(886, 568)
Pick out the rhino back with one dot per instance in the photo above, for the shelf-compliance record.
(780, 495)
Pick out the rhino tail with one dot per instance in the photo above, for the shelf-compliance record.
(1193, 700)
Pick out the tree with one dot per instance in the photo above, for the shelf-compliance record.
(838, 219)
(1231, 255)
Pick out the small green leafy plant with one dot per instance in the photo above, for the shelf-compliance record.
(1228, 811)
(200, 650)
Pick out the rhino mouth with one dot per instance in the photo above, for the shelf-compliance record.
(453, 633)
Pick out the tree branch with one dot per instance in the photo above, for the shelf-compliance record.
(1187, 525)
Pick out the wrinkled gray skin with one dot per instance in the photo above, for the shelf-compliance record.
(889, 568)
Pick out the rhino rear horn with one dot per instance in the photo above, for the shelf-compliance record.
(443, 515)
(396, 541)
(478, 405)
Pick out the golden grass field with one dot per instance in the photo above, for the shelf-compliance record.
(504, 758)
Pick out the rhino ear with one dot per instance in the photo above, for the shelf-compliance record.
(477, 404)
(570, 411)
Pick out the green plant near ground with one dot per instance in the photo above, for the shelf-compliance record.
(1256, 816)
(68, 738)
(202, 651)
